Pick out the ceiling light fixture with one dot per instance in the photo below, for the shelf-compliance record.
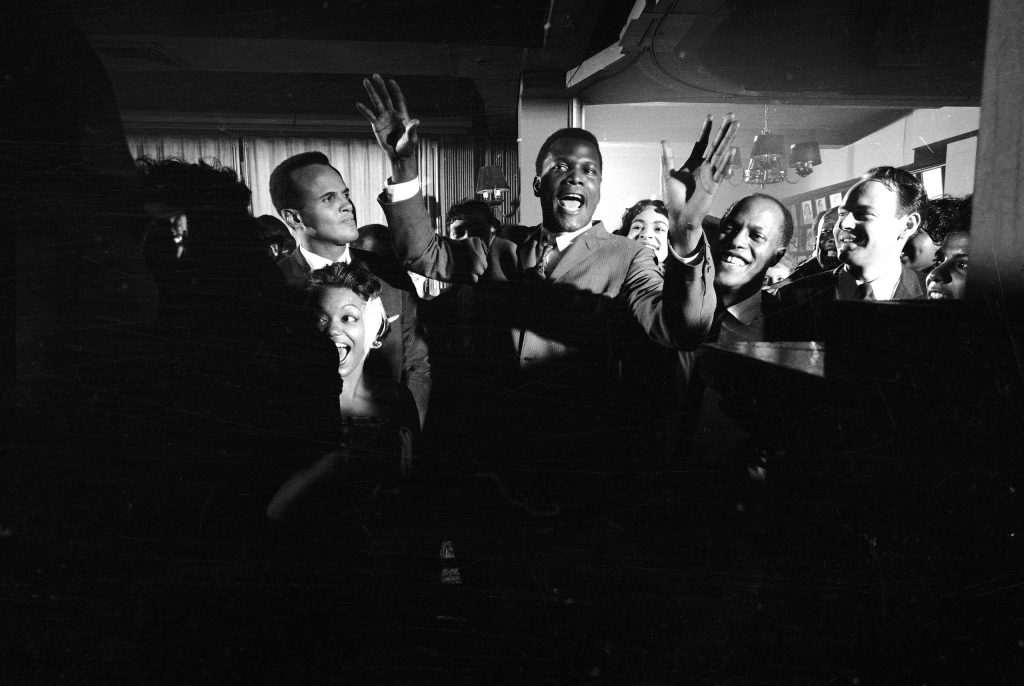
(768, 158)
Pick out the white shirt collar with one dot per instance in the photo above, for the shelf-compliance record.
(564, 240)
(316, 262)
(882, 287)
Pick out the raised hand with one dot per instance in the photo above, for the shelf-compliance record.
(690, 190)
(394, 128)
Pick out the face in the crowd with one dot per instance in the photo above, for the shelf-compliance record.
(947, 280)
(919, 252)
(775, 274)
(458, 229)
(569, 186)
(750, 243)
(828, 256)
(870, 230)
(341, 318)
(326, 214)
(650, 227)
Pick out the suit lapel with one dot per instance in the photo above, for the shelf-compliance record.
(527, 251)
(295, 268)
(580, 248)
(909, 288)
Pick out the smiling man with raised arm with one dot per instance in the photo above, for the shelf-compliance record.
(562, 303)
(564, 279)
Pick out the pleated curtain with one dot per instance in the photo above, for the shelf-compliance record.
(361, 162)
(223, 149)
(448, 166)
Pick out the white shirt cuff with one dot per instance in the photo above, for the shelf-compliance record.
(695, 259)
(402, 191)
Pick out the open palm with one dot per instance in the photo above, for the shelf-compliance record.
(388, 115)
(690, 189)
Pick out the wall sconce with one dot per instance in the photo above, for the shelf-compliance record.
(491, 186)
(803, 156)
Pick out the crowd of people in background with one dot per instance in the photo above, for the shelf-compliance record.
(245, 439)
(530, 308)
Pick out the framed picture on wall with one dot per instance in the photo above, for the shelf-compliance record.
(835, 200)
(819, 205)
(806, 212)
(793, 214)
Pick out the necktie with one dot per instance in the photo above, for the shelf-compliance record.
(716, 325)
(864, 292)
(546, 259)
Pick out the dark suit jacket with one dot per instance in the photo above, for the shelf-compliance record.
(570, 317)
(403, 356)
(799, 308)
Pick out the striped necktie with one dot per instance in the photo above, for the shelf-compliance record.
(547, 258)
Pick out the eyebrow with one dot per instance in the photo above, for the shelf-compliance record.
(733, 224)
(581, 159)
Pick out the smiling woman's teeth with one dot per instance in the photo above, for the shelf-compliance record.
(343, 351)
(935, 295)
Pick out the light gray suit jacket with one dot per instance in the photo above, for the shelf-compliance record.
(570, 314)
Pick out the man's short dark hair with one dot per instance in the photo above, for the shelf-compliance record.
(910, 194)
(211, 195)
(478, 215)
(787, 217)
(284, 192)
(581, 134)
(201, 187)
(375, 238)
(823, 216)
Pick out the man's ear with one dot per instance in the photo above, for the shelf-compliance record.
(776, 257)
(912, 222)
(536, 186)
(292, 220)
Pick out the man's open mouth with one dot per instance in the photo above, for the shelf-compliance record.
(938, 295)
(571, 202)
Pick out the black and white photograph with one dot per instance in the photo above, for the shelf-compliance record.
(644, 342)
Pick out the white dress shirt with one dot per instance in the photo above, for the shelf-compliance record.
(316, 262)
